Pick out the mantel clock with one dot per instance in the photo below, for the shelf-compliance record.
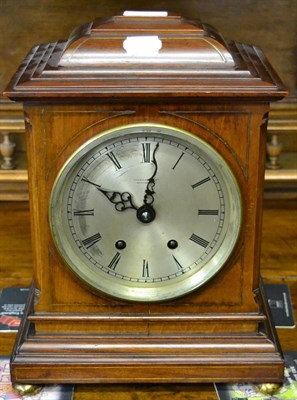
(146, 138)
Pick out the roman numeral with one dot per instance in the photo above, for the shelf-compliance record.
(83, 212)
(114, 262)
(200, 182)
(146, 152)
(178, 160)
(208, 212)
(145, 269)
(90, 241)
(179, 266)
(198, 240)
(115, 161)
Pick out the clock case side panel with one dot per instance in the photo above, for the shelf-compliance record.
(37, 200)
(56, 129)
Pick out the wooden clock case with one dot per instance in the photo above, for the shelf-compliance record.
(196, 81)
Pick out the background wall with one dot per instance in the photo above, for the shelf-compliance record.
(270, 24)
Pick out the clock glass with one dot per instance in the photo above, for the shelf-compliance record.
(145, 212)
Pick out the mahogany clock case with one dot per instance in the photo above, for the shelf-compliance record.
(208, 123)
(221, 331)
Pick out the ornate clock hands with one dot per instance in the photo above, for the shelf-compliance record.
(149, 192)
(146, 212)
(122, 201)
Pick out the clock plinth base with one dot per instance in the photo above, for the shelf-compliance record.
(46, 358)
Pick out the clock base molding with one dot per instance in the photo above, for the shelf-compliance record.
(55, 357)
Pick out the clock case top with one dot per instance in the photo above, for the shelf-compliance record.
(144, 56)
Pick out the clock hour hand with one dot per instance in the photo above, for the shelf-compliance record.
(149, 192)
(121, 201)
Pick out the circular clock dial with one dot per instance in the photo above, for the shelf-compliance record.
(145, 212)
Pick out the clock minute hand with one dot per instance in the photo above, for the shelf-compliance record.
(149, 192)
(121, 201)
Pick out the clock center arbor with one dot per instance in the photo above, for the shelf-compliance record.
(146, 150)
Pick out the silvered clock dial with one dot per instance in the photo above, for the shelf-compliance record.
(145, 212)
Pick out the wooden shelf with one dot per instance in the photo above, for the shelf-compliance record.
(14, 182)
(281, 183)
